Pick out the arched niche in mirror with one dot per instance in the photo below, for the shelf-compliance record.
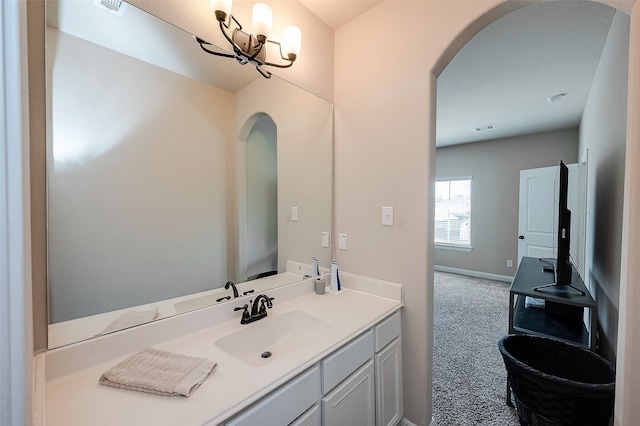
(262, 199)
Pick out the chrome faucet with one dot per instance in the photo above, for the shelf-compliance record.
(258, 309)
(235, 290)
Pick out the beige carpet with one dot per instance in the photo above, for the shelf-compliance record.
(469, 383)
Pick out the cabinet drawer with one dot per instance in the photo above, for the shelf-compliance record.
(284, 405)
(339, 365)
(387, 330)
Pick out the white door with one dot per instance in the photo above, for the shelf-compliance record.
(538, 211)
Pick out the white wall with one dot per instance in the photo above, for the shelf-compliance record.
(137, 186)
(16, 343)
(495, 168)
(603, 134)
(385, 156)
(627, 404)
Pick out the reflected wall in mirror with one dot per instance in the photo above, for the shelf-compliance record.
(170, 171)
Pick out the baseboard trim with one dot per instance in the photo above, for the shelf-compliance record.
(405, 422)
(477, 274)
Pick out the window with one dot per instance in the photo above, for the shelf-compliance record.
(453, 212)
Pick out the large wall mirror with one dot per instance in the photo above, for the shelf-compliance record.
(171, 171)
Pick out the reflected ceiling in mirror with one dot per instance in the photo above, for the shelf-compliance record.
(147, 171)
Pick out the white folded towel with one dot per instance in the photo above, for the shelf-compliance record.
(159, 372)
(130, 319)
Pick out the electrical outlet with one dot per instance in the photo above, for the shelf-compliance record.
(294, 214)
(509, 263)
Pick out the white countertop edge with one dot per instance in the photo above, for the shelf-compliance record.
(64, 363)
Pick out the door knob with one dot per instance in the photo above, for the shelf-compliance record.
(521, 237)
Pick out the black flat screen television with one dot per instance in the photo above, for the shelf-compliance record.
(562, 263)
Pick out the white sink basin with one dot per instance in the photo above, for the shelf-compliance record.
(270, 338)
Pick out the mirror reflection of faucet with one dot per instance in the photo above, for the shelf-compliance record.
(223, 298)
(235, 290)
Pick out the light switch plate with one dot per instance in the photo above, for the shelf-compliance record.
(325, 239)
(342, 241)
(387, 216)
(294, 214)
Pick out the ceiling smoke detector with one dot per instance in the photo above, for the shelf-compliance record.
(484, 128)
(556, 98)
(117, 7)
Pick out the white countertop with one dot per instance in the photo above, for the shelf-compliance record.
(72, 396)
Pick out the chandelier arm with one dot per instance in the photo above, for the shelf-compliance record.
(281, 55)
(253, 57)
(265, 73)
(271, 64)
(236, 21)
(202, 43)
(239, 54)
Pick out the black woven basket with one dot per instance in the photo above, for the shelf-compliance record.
(557, 383)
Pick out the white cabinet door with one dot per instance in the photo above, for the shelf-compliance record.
(389, 384)
(353, 401)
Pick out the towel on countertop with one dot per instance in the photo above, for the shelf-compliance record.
(159, 372)
(130, 319)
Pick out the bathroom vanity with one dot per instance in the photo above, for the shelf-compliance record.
(336, 360)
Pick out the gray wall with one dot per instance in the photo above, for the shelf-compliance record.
(495, 170)
(603, 134)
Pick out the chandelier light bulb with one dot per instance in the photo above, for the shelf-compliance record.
(223, 6)
(292, 42)
(262, 21)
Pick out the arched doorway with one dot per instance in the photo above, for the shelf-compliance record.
(436, 74)
(257, 188)
(262, 198)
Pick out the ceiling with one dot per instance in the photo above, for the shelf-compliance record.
(335, 13)
(501, 79)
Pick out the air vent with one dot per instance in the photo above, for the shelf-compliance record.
(116, 7)
(485, 128)
(556, 98)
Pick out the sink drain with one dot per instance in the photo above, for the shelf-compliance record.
(266, 354)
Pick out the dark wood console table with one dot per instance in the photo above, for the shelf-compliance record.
(563, 316)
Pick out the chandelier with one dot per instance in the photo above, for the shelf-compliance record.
(249, 48)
